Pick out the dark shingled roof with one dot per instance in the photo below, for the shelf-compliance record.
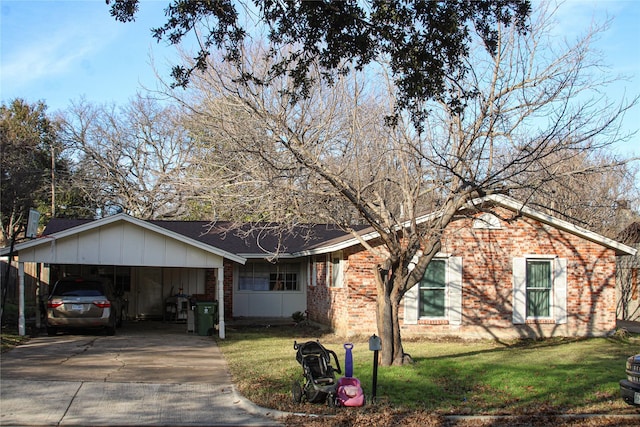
(246, 239)
(56, 225)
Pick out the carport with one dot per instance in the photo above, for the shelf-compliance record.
(151, 262)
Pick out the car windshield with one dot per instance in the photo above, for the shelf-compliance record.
(78, 289)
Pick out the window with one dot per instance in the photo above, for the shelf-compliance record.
(262, 276)
(539, 287)
(318, 267)
(438, 295)
(283, 282)
(487, 221)
(313, 270)
(432, 290)
(336, 270)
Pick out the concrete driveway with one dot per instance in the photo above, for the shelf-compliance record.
(150, 373)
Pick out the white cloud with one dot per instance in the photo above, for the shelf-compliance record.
(41, 41)
(42, 59)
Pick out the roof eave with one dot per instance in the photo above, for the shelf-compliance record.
(505, 201)
(510, 203)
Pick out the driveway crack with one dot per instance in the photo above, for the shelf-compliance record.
(122, 365)
(66, 411)
(84, 348)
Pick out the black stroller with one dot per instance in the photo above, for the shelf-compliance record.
(319, 376)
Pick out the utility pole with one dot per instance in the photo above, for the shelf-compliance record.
(53, 181)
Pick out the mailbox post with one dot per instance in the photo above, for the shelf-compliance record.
(375, 344)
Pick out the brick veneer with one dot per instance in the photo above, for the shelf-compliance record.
(228, 289)
(211, 281)
(487, 284)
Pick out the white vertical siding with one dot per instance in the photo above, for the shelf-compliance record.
(121, 243)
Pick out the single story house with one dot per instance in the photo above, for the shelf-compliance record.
(503, 271)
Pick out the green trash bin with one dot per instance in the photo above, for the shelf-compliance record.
(206, 317)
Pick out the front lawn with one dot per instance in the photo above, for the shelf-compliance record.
(556, 376)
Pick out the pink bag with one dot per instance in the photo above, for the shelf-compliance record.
(350, 392)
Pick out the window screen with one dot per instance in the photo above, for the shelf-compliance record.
(432, 290)
(539, 286)
(256, 276)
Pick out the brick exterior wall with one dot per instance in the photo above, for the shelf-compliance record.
(319, 298)
(228, 289)
(350, 309)
(211, 282)
(487, 284)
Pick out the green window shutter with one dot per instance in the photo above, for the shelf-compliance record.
(454, 284)
(519, 290)
(560, 291)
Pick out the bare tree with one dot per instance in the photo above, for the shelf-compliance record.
(238, 154)
(597, 192)
(129, 158)
(532, 101)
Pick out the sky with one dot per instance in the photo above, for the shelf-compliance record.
(59, 51)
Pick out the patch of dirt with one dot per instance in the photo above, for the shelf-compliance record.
(388, 417)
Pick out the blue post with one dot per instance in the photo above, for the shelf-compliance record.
(348, 360)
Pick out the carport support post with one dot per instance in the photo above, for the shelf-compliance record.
(221, 332)
(21, 323)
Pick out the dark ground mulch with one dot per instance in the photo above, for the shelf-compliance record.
(363, 418)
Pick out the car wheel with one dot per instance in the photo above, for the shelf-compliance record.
(51, 331)
(630, 387)
(111, 329)
(120, 321)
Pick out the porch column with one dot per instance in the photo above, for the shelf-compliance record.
(39, 296)
(21, 322)
(220, 286)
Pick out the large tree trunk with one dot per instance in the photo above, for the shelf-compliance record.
(389, 331)
(388, 304)
(391, 289)
(385, 328)
(399, 356)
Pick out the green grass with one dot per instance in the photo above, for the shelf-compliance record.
(10, 340)
(9, 337)
(448, 377)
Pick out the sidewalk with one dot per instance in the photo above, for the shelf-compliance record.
(65, 403)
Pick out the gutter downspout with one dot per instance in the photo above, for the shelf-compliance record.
(21, 321)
